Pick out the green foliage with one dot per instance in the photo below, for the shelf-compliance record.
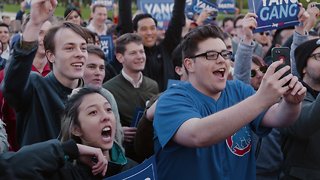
(85, 10)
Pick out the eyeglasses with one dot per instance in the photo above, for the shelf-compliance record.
(262, 69)
(213, 55)
(316, 56)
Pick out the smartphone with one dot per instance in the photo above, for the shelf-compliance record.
(281, 54)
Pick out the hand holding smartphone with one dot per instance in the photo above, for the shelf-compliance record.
(281, 54)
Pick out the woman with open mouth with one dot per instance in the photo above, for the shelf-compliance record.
(87, 150)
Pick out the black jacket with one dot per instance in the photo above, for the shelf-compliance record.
(47, 160)
(301, 145)
(159, 65)
(38, 101)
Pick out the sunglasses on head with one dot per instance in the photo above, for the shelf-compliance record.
(266, 33)
(262, 69)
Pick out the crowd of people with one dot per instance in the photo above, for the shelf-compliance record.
(206, 98)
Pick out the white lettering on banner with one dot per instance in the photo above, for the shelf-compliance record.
(105, 46)
(189, 2)
(268, 13)
(278, 2)
(104, 2)
(159, 11)
(201, 5)
(226, 6)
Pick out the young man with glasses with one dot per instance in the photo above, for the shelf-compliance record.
(203, 127)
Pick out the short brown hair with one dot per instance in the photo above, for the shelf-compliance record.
(122, 41)
(48, 40)
(94, 49)
(194, 37)
(94, 7)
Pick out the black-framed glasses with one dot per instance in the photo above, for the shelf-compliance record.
(213, 55)
(262, 69)
(316, 56)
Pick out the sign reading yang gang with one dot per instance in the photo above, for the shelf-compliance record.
(161, 10)
(274, 14)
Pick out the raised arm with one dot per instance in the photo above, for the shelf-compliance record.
(125, 17)
(243, 56)
(16, 87)
(307, 21)
(220, 125)
(174, 31)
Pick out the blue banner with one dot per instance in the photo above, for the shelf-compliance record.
(274, 14)
(161, 10)
(144, 171)
(106, 42)
(107, 3)
(196, 6)
(226, 6)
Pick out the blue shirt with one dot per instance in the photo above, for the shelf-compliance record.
(232, 158)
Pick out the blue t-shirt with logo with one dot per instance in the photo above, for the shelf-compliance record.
(232, 158)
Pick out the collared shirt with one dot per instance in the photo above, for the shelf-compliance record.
(6, 53)
(93, 29)
(45, 70)
(134, 84)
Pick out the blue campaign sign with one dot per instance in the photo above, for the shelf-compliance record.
(144, 171)
(161, 10)
(196, 6)
(137, 116)
(108, 3)
(274, 14)
(106, 42)
(228, 6)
